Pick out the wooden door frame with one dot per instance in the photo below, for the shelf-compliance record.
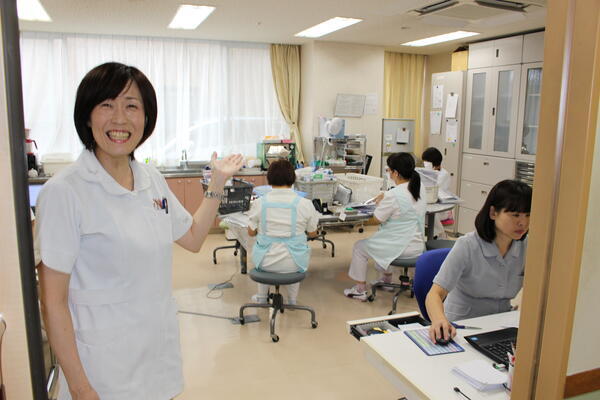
(569, 107)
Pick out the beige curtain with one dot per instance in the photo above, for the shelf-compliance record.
(403, 90)
(285, 64)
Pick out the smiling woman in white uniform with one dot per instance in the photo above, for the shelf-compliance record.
(485, 269)
(401, 212)
(106, 227)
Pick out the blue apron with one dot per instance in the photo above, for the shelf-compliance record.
(394, 235)
(296, 244)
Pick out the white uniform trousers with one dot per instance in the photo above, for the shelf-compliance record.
(359, 263)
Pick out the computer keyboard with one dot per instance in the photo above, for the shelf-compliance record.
(499, 350)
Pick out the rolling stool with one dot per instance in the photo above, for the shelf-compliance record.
(435, 244)
(235, 246)
(405, 283)
(275, 300)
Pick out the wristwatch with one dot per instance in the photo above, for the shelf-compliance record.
(209, 194)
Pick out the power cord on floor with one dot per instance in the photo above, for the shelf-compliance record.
(219, 288)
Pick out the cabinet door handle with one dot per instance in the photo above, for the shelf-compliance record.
(486, 163)
(179, 181)
(493, 111)
(188, 181)
(497, 53)
(483, 192)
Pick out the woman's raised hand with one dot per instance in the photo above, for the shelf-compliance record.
(224, 168)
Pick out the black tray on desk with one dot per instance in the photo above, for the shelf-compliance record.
(389, 323)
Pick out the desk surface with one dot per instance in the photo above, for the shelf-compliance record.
(419, 376)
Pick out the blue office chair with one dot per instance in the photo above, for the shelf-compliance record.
(426, 269)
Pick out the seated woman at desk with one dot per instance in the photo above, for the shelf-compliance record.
(401, 212)
(280, 219)
(484, 270)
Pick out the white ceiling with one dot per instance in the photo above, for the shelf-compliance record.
(387, 23)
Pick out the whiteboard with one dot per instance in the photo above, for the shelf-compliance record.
(349, 105)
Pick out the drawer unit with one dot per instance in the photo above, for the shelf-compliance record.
(473, 194)
(487, 169)
(525, 172)
(256, 180)
(466, 220)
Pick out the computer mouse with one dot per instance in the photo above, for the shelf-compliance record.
(442, 342)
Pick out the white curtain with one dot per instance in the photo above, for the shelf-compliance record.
(212, 95)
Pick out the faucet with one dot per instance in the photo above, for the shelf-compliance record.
(184, 160)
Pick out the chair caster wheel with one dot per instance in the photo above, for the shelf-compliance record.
(235, 253)
(275, 338)
(371, 298)
(215, 261)
(314, 324)
(391, 313)
(360, 230)
(332, 254)
(242, 321)
(281, 311)
(324, 246)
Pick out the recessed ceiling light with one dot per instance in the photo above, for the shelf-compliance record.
(32, 10)
(331, 25)
(189, 17)
(440, 38)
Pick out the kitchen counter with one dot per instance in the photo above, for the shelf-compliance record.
(171, 173)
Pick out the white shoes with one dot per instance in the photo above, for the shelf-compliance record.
(259, 299)
(354, 293)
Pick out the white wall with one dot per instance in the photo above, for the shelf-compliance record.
(585, 350)
(332, 68)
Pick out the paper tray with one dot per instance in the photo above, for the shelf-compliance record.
(359, 328)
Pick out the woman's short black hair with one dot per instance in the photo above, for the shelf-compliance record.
(107, 81)
(508, 195)
(432, 155)
(404, 164)
(281, 173)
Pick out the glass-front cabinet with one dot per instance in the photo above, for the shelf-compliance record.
(529, 111)
(492, 110)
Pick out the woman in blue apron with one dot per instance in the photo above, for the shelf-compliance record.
(485, 268)
(401, 213)
(280, 219)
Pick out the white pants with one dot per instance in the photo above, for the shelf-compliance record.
(284, 267)
(359, 263)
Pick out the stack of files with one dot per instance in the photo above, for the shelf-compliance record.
(481, 375)
(446, 197)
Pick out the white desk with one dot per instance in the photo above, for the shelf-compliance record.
(419, 376)
(433, 209)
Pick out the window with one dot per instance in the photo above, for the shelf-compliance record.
(212, 96)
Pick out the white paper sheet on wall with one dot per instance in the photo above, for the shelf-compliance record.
(402, 135)
(451, 105)
(437, 96)
(435, 122)
(371, 104)
(451, 130)
(349, 105)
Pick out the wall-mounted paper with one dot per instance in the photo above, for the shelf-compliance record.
(437, 97)
(371, 104)
(435, 122)
(451, 130)
(349, 105)
(451, 105)
(402, 135)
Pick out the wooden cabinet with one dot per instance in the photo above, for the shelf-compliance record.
(188, 191)
(256, 180)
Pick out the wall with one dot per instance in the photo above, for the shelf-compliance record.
(435, 63)
(15, 360)
(331, 68)
(585, 351)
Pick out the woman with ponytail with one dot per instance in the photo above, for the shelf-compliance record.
(401, 213)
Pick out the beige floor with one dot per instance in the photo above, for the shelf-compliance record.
(227, 361)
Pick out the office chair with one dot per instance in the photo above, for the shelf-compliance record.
(235, 246)
(427, 267)
(405, 283)
(2, 330)
(275, 300)
(433, 244)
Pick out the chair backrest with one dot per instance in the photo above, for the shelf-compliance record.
(427, 267)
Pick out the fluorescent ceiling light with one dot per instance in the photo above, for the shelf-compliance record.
(331, 25)
(32, 10)
(440, 38)
(189, 17)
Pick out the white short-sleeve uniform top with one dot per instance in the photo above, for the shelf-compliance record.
(479, 280)
(279, 225)
(117, 246)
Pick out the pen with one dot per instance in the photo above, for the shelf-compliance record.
(459, 326)
(165, 205)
